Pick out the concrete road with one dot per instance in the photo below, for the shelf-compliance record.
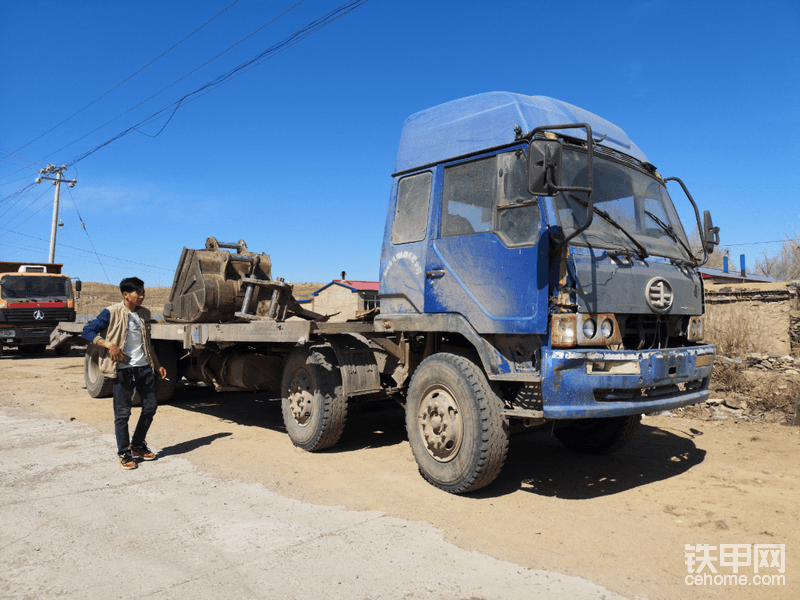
(75, 525)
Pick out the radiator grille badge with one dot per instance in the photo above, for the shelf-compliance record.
(658, 294)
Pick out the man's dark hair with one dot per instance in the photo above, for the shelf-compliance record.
(131, 284)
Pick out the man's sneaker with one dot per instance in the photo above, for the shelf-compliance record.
(126, 461)
(143, 452)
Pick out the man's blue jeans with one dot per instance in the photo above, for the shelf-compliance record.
(128, 380)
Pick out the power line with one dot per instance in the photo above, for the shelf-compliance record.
(284, 44)
(89, 251)
(755, 243)
(87, 236)
(25, 208)
(124, 80)
(169, 86)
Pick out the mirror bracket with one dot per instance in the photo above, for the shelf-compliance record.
(544, 170)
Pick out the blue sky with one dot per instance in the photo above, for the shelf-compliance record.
(295, 155)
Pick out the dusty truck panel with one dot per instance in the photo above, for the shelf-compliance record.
(533, 270)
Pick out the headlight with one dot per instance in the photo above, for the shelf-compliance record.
(606, 328)
(695, 329)
(589, 328)
(564, 331)
(597, 329)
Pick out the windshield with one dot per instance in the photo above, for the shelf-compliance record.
(636, 201)
(26, 288)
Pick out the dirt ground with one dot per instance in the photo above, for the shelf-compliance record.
(621, 521)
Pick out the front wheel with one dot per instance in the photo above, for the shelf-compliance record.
(313, 403)
(455, 424)
(598, 436)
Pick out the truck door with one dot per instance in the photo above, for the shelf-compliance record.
(487, 256)
(402, 281)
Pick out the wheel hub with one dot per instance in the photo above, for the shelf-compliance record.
(441, 424)
(301, 398)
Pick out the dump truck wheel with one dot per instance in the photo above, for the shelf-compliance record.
(97, 384)
(455, 424)
(598, 436)
(313, 403)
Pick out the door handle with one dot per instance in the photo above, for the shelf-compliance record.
(435, 273)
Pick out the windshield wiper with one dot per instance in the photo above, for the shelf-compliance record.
(609, 219)
(671, 233)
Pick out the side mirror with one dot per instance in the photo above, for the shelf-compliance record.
(710, 233)
(544, 167)
(78, 285)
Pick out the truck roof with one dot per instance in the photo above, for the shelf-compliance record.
(487, 120)
(13, 267)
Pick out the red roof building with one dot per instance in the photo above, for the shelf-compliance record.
(344, 299)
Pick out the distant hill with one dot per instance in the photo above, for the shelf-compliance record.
(97, 296)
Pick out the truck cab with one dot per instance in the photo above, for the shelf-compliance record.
(539, 237)
(34, 298)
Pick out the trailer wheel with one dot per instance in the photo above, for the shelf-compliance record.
(598, 436)
(455, 424)
(97, 384)
(313, 403)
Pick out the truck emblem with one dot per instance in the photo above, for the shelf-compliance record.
(38, 315)
(658, 294)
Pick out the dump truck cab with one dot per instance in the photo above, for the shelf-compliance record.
(582, 285)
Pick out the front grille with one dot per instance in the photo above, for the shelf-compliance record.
(25, 316)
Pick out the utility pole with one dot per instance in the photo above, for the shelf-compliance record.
(56, 182)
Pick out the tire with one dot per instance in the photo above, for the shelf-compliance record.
(598, 436)
(97, 384)
(168, 358)
(62, 350)
(32, 349)
(463, 447)
(313, 404)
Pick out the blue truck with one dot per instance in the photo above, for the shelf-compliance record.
(534, 270)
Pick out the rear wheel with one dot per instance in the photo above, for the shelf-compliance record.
(32, 348)
(313, 403)
(62, 350)
(97, 384)
(598, 436)
(455, 424)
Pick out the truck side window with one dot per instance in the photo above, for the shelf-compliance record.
(473, 191)
(411, 213)
(468, 197)
(518, 215)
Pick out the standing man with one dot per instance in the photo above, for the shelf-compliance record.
(124, 331)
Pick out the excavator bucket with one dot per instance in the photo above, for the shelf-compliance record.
(216, 286)
(210, 285)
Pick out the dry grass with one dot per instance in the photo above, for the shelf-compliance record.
(730, 377)
(735, 329)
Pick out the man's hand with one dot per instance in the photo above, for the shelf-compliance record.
(163, 372)
(115, 353)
